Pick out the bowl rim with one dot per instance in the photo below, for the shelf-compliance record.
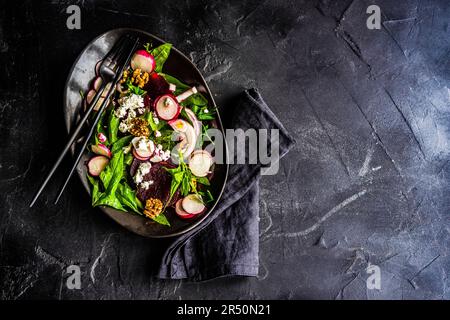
(219, 120)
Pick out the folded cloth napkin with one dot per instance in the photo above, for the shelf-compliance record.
(227, 242)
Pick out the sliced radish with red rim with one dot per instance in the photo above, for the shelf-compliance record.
(137, 156)
(167, 107)
(143, 148)
(143, 60)
(181, 212)
(193, 204)
(200, 163)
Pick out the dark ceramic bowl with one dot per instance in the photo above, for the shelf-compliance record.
(177, 65)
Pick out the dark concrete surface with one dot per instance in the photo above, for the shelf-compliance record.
(367, 182)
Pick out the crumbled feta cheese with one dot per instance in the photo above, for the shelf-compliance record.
(138, 178)
(146, 184)
(131, 114)
(165, 155)
(157, 134)
(132, 102)
(159, 147)
(156, 120)
(120, 112)
(156, 158)
(123, 127)
(206, 111)
(145, 167)
(142, 145)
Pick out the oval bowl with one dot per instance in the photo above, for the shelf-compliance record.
(177, 65)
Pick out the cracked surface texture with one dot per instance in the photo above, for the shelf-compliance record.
(367, 182)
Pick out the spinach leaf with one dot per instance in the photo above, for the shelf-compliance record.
(161, 54)
(109, 200)
(161, 219)
(195, 100)
(113, 127)
(180, 86)
(95, 192)
(209, 197)
(121, 143)
(149, 117)
(200, 112)
(166, 139)
(127, 197)
(202, 180)
(100, 129)
(128, 159)
(113, 173)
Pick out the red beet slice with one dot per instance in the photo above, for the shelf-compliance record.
(156, 86)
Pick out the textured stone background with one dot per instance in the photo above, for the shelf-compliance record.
(366, 183)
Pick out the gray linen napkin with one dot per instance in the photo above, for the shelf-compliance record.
(227, 242)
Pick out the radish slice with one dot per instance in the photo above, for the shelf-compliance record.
(101, 137)
(143, 60)
(193, 204)
(167, 107)
(90, 95)
(193, 118)
(200, 163)
(97, 67)
(97, 83)
(101, 149)
(144, 153)
(143, 147)
(180, 212)
(137, 156)
(186, 94)
(96, 165)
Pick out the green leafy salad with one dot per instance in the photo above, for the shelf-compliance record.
(148, 151)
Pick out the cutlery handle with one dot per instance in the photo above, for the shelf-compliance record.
(97, 118)
(68, 145)
(86, 141)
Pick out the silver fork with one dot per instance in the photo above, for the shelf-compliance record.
(110, 71)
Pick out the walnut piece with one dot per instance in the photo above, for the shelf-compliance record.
(153, 207)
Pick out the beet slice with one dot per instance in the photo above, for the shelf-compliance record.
(160, 189)
(156, 86)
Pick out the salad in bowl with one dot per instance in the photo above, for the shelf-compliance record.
(148, 156)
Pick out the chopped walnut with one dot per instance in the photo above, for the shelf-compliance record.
(153, 207)
(139, 127)
(138, 78)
